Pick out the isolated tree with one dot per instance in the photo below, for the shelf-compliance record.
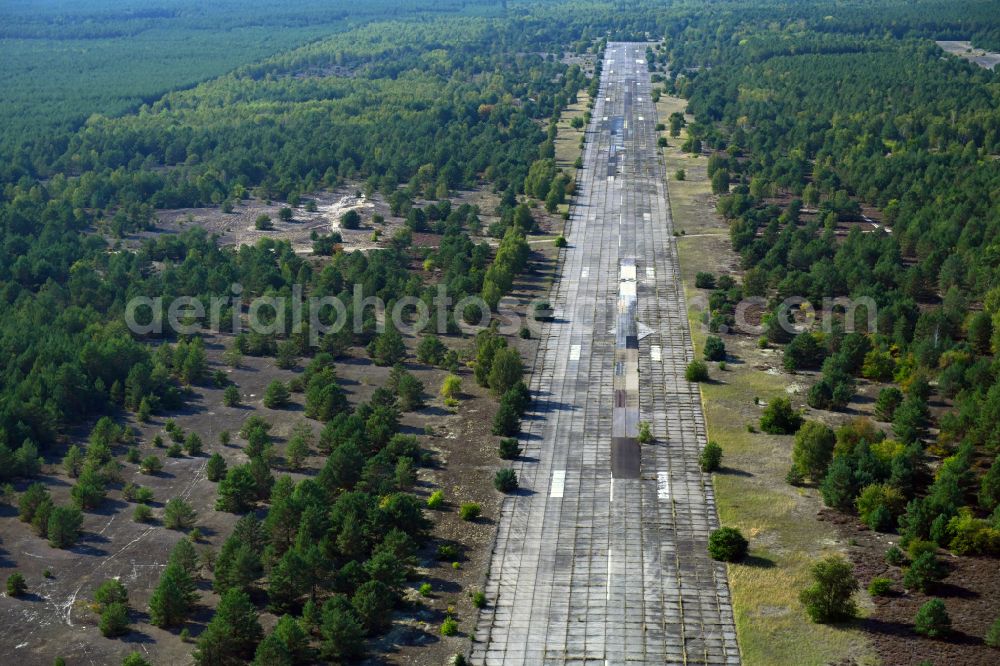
(779, 418)
(16, 585)
(727, 544)
(215, 468)
(710, 458)
(231, 396)
(276, 396)
(64, 526)
(179, 515)
(715, 349)
(828, 599)
(150, 465)
(451, 387)
(696, 371)
(193, 444)
(813, 450)
(173, 597)
(932, 619)
(924, 571)
(350, 220)
(505, 480)
(110, 592)
(114, 620)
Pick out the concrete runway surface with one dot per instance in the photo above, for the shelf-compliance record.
(601, 558)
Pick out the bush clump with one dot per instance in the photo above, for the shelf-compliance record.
(932, 619)
(696, 371)
(711, 457)
(505, 480)
(727, 544)
(828, 599)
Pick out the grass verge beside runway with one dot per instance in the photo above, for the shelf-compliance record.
(750, 491)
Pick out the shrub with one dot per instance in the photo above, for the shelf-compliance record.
(879, 504)
(16, 585)
(150, 465)
(447, 551)
(727, 544)
(711, 457)
(505, 480)
(507, 421)
(645, 434)
(704, 280)
(350, 220)
(696, 371)
(918, 547)
(263, 222)
(469, 511)
(178, 515)
(193, 444)
(879, 586)
(142, 513)
(231, 396)
(715, 349)
(436, 500)
(175, 451)
(992, 637)
(449, 627)
(509, 448)
(895, 557)
(680, 174)
(110, 592)
(923, 573)
(114, 620)
(451, 387)
(425, 590)
(828, 599)
(277, 395)
(779, 418)
(932, 619)
(132, 455)
(560, 241)
(478, 599)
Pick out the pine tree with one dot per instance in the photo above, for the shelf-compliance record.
(173, 597)
(233, 633)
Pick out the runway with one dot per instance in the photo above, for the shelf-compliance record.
(601, 559)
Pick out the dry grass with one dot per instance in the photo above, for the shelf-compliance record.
(750, 491)
(567, 143)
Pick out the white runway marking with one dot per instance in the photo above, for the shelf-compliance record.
(558, 483)
(650, 272)
(574, 352)
(663, 485)
(655, 353)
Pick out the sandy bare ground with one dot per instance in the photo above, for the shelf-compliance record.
(983, 58)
